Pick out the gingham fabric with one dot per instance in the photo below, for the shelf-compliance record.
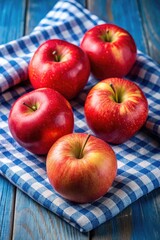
(138, 158)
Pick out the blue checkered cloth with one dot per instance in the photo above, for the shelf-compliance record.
(138, 158)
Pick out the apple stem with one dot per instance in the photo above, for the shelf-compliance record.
(33, 108)
(56, 58)
(82, 149)
(115, 92)
(107, 37)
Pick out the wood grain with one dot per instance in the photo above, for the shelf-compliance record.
(33, 222)
(123, 13)
(99, 8)
(12, 18)
(146, 217)
(11, 27)
(7, 200)
(150, 13)
(35, 12)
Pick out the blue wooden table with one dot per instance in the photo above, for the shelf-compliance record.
(20, 217)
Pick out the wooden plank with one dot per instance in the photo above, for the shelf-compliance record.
(99, 9)
(150, 13)
(11, 20)
(35, 222)
(146, 217)
(11, 27)
(7, 196)
(123, 13)
(38, 11)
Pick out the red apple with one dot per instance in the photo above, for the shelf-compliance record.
(59, 65)
(111, 51)
(115, 109)
(80, 167)
(38, 118)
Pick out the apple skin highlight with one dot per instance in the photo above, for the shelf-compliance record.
(60, 65)
(39, 118)
(111, 50)
(115, 114)
(82, 179)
